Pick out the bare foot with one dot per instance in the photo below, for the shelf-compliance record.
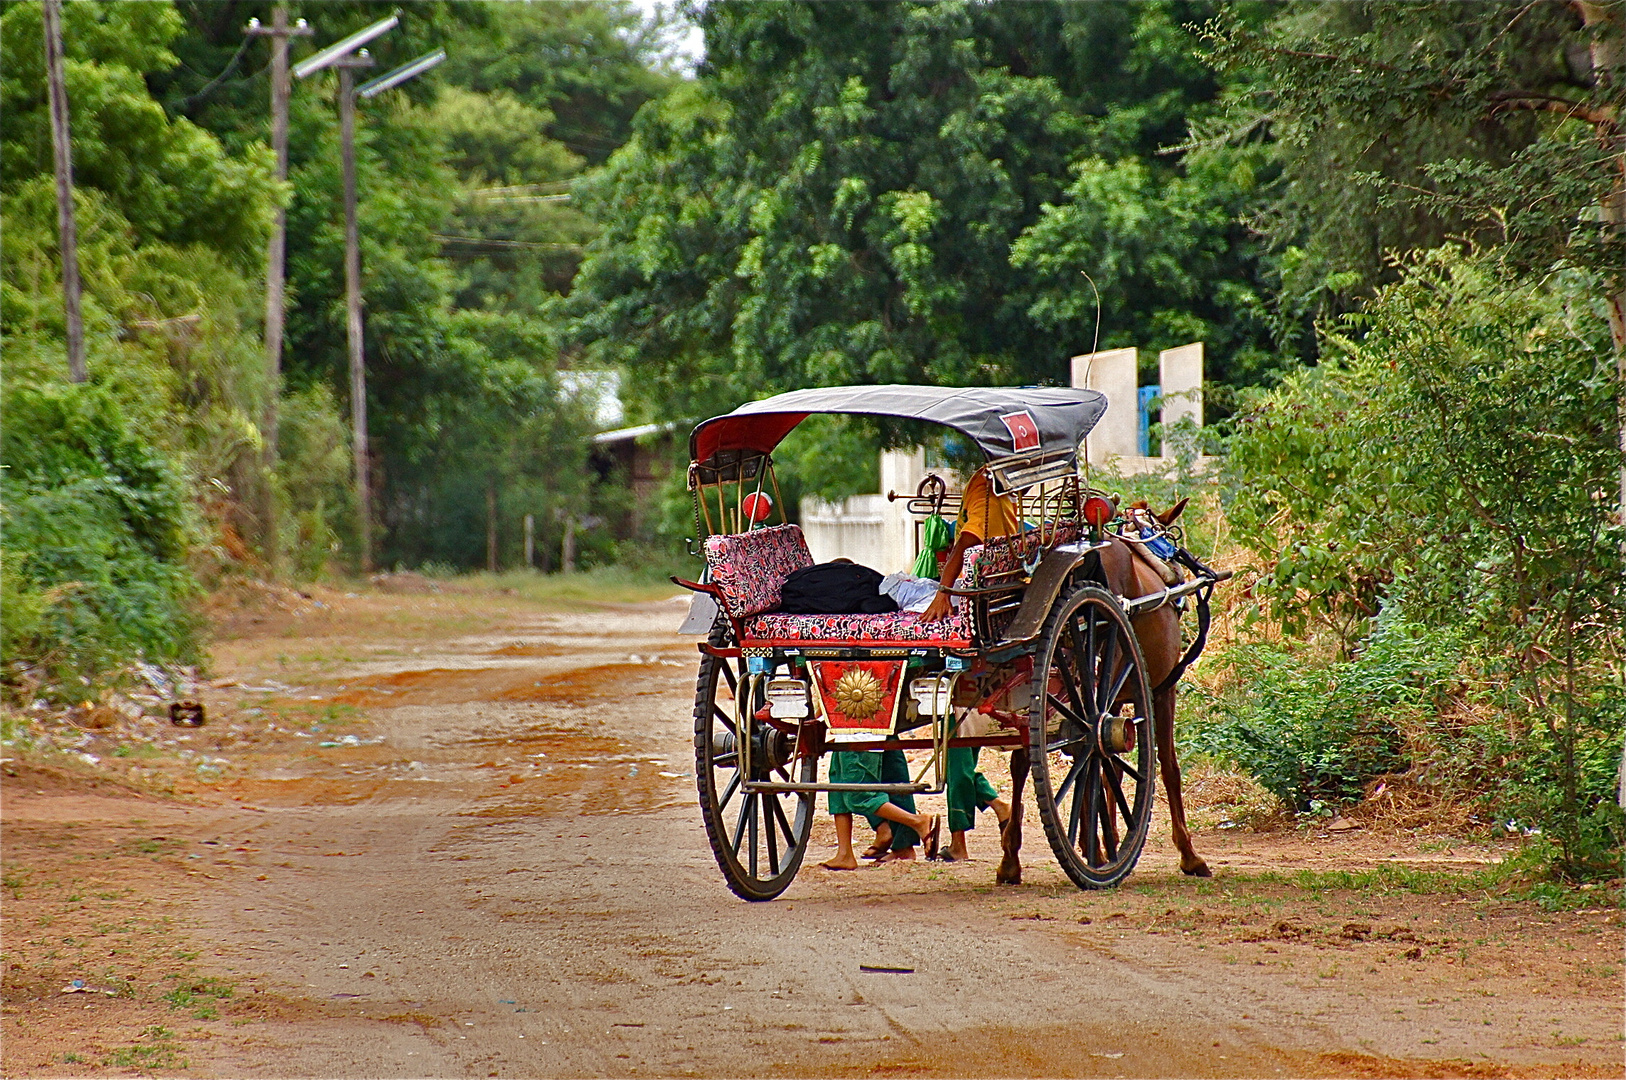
(900, 855)
(846, 862)
(957, 850)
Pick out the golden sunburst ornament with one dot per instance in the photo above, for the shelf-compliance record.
(857, 693)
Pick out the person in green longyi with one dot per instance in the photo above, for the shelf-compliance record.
(983, 516)
(874, 767)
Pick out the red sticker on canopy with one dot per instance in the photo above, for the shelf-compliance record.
(1024, 430)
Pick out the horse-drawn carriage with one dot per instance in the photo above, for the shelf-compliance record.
(1045, 645)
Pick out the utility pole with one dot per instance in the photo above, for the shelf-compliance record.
(62, 149)
(352, 306)
(345, 57)
(276, 250)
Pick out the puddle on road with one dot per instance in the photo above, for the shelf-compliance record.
(462, 686)
(580, 685)
(531, 650)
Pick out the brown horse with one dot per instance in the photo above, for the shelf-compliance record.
(1158, 631)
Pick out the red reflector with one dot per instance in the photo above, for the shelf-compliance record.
(757, 506)
(1098, 511)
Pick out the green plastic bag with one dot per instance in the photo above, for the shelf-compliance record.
(936, 536)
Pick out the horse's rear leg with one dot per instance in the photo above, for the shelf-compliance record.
(1163, 721)
(1010, 838)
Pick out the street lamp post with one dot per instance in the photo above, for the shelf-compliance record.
(347, 57)
(352, 306)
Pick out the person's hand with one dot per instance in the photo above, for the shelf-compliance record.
(939, 608)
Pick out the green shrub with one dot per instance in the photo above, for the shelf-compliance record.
(1313, 730)
(95, 542)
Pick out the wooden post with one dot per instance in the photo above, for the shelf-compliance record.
(62, 149)
(352, 309)
(530, 541)
(568, 549)
(276, 252)
(491, 527)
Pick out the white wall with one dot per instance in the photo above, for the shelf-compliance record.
(869, 529)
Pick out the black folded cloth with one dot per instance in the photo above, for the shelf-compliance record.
(834, 588)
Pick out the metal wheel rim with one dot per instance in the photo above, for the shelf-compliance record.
(1074, 775)
(758, 838)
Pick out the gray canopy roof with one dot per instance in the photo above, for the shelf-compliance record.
(1048, 421)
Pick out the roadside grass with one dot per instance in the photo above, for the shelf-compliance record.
(155, 1050)
(581, 588)
(1517, 878)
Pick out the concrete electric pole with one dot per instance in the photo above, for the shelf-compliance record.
(347, 56)
(276, 251)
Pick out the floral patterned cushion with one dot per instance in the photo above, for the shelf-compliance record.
(1004, 554)
(749, 568)
(896, 626)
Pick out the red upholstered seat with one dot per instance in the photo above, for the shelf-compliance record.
(749, 568)
(897, 627)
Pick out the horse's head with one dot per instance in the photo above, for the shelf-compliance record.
(1166, 518)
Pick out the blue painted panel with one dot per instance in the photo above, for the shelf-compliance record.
(1146, 396)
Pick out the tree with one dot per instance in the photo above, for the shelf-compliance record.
(1399, 125)
(842, 195)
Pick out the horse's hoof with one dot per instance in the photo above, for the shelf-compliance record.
(1003, 876)
(1198, 869)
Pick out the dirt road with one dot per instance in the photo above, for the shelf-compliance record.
(441, 835)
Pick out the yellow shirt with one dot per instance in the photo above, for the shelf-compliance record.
(984, 514)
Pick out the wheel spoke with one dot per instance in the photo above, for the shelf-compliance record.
(784, 822)
(733, 679)
(756, 806)
(1118, 794)
(1087, 803)
(729, 760)
(739, 826)
(1104, 669)
(1079, 701)
(1118, 685)
(1128, 768)
(728, 794)
(723, 718)
(1072, 774)
(1075, 808)
(1066, 710)
(772, 833)
(1098, 815)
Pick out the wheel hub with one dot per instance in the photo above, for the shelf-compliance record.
(1117, 734)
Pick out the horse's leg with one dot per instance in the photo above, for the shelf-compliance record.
(1163, 723)
(1010, 838)
(1107, 846)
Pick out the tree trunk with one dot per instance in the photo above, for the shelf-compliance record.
(491, 527)
(67, 227)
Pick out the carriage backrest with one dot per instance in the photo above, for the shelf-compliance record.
(750, 568)
(1003, 556)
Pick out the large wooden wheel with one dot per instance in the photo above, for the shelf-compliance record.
(1090, 739)
(759, 837)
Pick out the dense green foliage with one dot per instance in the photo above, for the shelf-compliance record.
(900, 192)
(96, 537)
(1398, 125)
(1455, 467)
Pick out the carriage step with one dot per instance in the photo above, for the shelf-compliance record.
(885, 789)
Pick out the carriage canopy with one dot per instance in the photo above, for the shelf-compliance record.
(1045, 423)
